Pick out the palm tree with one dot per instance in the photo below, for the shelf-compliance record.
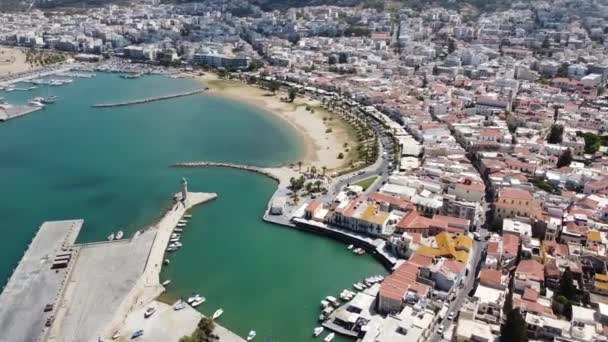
(324, 168)
(299, 165)
(317, 185)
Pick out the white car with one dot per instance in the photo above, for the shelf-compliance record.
(440, 330)
(451, 316)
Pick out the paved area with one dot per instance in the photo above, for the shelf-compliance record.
(168, 325)
(34, 284)
(102, 278)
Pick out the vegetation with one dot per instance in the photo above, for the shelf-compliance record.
(295, 184)
(514, 328)
(203, 330)
(592, 142)
(543, 185)
(292, 94)
(366, 183)
(41, 57)
(565, 158)
(556, 133)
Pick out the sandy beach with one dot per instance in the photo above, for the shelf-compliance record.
(322, 147)
(12, 61)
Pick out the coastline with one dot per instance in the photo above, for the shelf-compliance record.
(320, 147)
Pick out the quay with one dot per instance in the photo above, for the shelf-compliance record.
(13, 112)
(148, 100)
(38, 281)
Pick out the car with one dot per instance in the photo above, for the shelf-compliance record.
(477, 236)
(451, 316)
(137, 334)
(440, 330)
(48, 307)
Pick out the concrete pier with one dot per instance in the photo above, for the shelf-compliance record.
(35, 283)
(13, 112)
(148, 100)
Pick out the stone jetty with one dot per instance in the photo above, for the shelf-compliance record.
(148, 100)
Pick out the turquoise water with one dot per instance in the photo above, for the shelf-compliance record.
(110, 167)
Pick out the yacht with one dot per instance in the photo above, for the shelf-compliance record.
(329, 337)
(198, 301)
(35, 103)
(218, 313)
(179, 305)
(111, 237)
(251, 335)
(318, 331)
(119, 235)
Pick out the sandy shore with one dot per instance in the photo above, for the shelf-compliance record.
(322, 147)
(12, 61)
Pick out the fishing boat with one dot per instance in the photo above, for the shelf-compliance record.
(111, 237)
(200, 300)
(218, 313)
(318, 331)
(119, 235)
(329, 337)
(166, 282)
(251, 335)
(193, 298)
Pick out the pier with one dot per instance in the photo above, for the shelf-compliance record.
(13, 112)
(148, 100)
(38, 281)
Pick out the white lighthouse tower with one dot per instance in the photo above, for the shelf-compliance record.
(184, 189)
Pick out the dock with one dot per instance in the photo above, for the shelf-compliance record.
(13, 112)
(148, 100)
(37, 282)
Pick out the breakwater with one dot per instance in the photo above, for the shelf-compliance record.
(264, 171)
(148, 100)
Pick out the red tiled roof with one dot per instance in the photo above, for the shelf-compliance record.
(491, 278)
(530, 295)
(421, 260)
(533, 269)
(392, 200)
(414, 221)
(510, 245)
(514, 193)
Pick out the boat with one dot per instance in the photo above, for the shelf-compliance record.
(166, 282)
(350, 247)
(172, 248)
(176, 244)
(324, 304)
(119, 235)
(182, 221)
(329, 337)
(178, 230)
(180, 225)
(116, 335)
(193, 298)
(251, 335)
(111, 237)
(198, 301)
(49, 100)
(179, 305)
(218, 313)
(358, 286)
(318, 331)
(174, 235)
(187, 216)
(149, 312)
(321, 317)
(167, 262)
(174, 240)
(35, 103)
(137, 334)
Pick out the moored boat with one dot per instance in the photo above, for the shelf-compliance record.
(218, 313)
(166, 282)
(200, 300)
(251, 335)
(111, 237)
(318, 331)
(179, 305)
(119, 235)
(329, 337)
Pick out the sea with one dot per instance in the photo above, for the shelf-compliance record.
(112, 168)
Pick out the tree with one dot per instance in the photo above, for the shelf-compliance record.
(299, 165)
(592, 142)
(566, 286)
(555, 134)
(340, 155)
(274, 86)
(317, 185)
(514, 328)
(564, 159)
(562, 71)
(206, 326)
(292, 94)
(324, 168)
(451, 45)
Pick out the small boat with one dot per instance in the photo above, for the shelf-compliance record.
(251, 335)
(179, 305)
(187, 216)
(173, 236)
(137, 334)
(111, 237)
(350, 247)
(166, 282)
(167, 262)
(176, 244)
(193, 298)
(174, 240)
(358, 286)
(172, 248)
(119, 235)
(200, 300)
(116, 335)
(218, 313)
(149, 312)
(182, 221)
(178, 230)
(49, 100)
(318, 331)
(180, 225)
(34, 103)
(329, 337)
(324, 304)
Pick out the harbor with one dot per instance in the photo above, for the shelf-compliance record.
(148, 100)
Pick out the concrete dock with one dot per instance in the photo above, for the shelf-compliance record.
(35, 283)
(13, 112)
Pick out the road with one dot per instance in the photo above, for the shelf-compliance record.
(473, 265)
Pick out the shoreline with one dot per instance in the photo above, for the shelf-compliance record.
(321, 148)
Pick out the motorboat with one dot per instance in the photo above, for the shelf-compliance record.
(358, 286)
(198, 301)
(179, 305)
(193, 298)
(329, 337)
(174, 235)
(180, 225)
(324, 304)
(176, 244)
(119, 235)
(149, 312)
(218, 313)
(318, 331)
(35, 103)
(111, 237)
(167, 262)
(49, 100)
(172, 248)
(166, 282)
(174, 240)
(350, 247)
(187, 216)
(182, 221)
(251, 335)
(116, 335)
(178, 230)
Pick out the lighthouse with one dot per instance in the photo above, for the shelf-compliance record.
(184, 189)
